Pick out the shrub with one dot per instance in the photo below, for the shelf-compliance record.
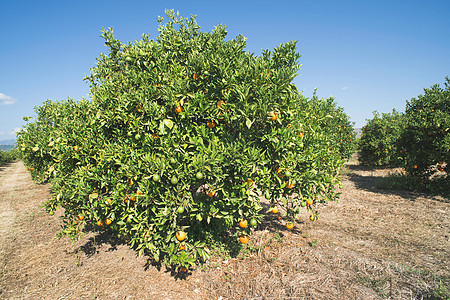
(378, 145)
(427, 132)
(8, 156)
(335, 124)
(182, 138)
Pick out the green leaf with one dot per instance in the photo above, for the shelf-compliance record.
(248, 123)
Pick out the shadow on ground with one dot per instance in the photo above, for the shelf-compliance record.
(396, 184)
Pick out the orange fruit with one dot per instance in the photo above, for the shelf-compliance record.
(178, 109)
(133, 198)
(220, 103)
(309, 201)
(210, 124)
(182, 247)
(243, 223)
(80, 217)
(108, 202)
(312, 217)
(415, 167)
(195, 76)
(211, 193)
(243, 239)
(289, 225)
(108, 221)
(138, 192)
(99, 223)
(291, 183)
(180, 235)
(273, 116)
(275, 209)
(183, 269)
(301, 135)
(77, 148)
(279, 172)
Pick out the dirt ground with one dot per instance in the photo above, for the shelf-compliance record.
(371, 244)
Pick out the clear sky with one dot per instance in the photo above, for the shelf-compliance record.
(369, 55)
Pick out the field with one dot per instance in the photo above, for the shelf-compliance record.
(371, 244)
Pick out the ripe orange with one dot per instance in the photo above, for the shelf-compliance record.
(289, 225)
(279, 172)
(273, 116)
(275, 209)
(220, 103)
(108, 221)
(99, 223)
(195, 76)
(138, 192)
(183, 269)
(80, 217)
(301, 135)
(181, 235)
(415, 167)
(243, 223)
(243, 239)
(178, 109)
(291, 183)
(210, 124)
(211, 193)
(312, 217)
(182, 247)
(309, 201)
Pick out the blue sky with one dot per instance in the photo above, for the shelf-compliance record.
(369, 55)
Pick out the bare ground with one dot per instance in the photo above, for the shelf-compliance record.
(370, 245)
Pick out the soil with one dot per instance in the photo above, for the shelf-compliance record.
(371, 244)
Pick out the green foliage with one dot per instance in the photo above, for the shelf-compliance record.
(378, 145)
(335, 124)
(8, 156)
(427, 132)
(185, 133)
(418, 140)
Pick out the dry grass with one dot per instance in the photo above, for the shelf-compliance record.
(370, 245)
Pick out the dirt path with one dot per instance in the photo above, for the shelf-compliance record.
(369, 245)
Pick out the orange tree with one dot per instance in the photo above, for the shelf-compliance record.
(379, 142)
(7, 156)
(50, 146)
(427, 132)
(183, 137)
(335, 122)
